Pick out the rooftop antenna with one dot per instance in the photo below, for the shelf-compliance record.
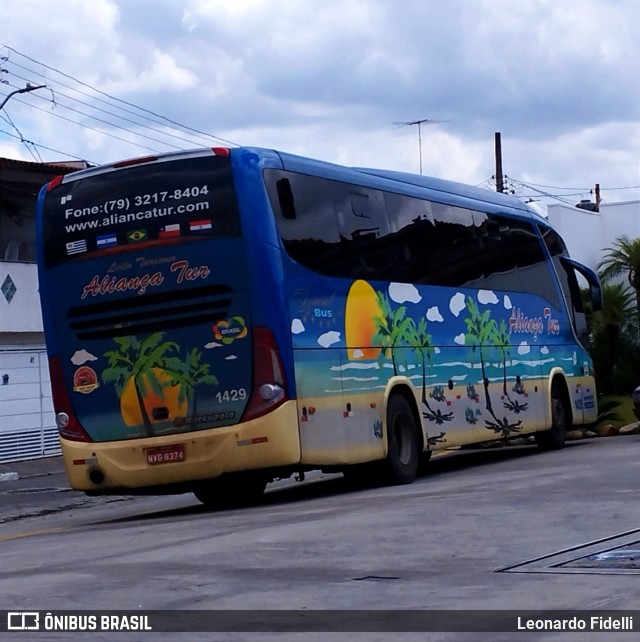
(419, 123)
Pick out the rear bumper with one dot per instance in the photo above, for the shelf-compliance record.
(271, 441)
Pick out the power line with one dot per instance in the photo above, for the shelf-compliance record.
(105, 111)
(581, 189)
(50, 149)
(119, 100)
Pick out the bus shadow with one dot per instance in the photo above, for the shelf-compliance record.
(335, 484)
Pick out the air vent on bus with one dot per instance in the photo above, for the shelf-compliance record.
(150, 313)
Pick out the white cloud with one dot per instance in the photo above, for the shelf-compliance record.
(507, 302)
(459, 339)
(487, 297)
(231, 357)
(82, 356)
(329, 338)
(524, 348)
(433, 314)
(457, 304)
(544, 350)
(297, 327)
(329, 84)
(403, 293)
(213, 344)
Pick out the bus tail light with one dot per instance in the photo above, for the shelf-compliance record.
(68, 425)
(269, 387)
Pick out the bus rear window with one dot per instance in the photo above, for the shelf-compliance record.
(118, 210)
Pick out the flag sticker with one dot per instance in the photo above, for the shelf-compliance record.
(203, 225)
(77, 247)
(169, 230)
(136, 236)
(106, 240)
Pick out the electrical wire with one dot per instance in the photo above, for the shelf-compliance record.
(118, 100)
(50, 149)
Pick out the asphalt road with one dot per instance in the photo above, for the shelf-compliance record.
(491, 530)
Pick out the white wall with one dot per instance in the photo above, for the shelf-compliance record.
(23, 313)
(589, 234)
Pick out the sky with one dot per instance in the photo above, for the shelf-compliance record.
(335, 80)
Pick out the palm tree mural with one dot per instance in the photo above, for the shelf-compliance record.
(140, 368)
(623, 259)
(392, 330)
(501, 340)
(188, 374)
(480, 329)
(481, 332)
(420, 341)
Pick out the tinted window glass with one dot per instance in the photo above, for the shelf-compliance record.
(344, 230)
(154, 203)
(568, 282)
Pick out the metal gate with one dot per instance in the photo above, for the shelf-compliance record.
(27, 423)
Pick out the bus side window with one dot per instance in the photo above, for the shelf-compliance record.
(306, 220)
(364, 231)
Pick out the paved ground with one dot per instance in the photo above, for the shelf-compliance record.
(39, 487)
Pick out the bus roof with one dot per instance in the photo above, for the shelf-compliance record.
(412, 184)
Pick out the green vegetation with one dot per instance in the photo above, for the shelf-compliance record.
(615, 330)
(616, 410)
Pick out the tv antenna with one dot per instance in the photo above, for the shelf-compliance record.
(419, 123)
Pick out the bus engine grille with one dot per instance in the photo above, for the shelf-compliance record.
(150, 313)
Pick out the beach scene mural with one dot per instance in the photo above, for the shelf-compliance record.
(476, 358)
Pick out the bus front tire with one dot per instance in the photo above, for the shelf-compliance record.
(403, 456)
(231, 491)
(554, 438)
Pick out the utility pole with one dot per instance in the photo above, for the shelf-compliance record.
(24, 90)
(499, 177)
(419, 123)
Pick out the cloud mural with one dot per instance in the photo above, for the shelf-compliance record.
(212, 344)
(457, 304)
(82, 356)
(487, 297)
(459, 339)
(524, 348)
(297, 327)
(433, 314)
(329, 338)
(404, 293)
(507, 302)
(544, 350)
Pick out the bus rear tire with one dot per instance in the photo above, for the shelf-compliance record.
(231, 491)
(403, 456)
(554, 438)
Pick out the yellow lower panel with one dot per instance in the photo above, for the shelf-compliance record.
(268, 441)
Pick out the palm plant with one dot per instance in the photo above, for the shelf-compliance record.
(188, 374)
(480, 329)
(392, 329)
(620, 259)
(614, 339)
(420, 341)
(138, 360)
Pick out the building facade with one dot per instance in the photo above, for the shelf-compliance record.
(27, 425)
(588, 234)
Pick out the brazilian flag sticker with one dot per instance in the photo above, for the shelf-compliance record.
(136, 236)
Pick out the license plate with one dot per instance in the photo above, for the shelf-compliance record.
(165, 454)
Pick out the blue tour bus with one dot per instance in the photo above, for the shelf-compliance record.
(219, 318)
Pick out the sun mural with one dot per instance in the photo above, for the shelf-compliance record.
(361, 310)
